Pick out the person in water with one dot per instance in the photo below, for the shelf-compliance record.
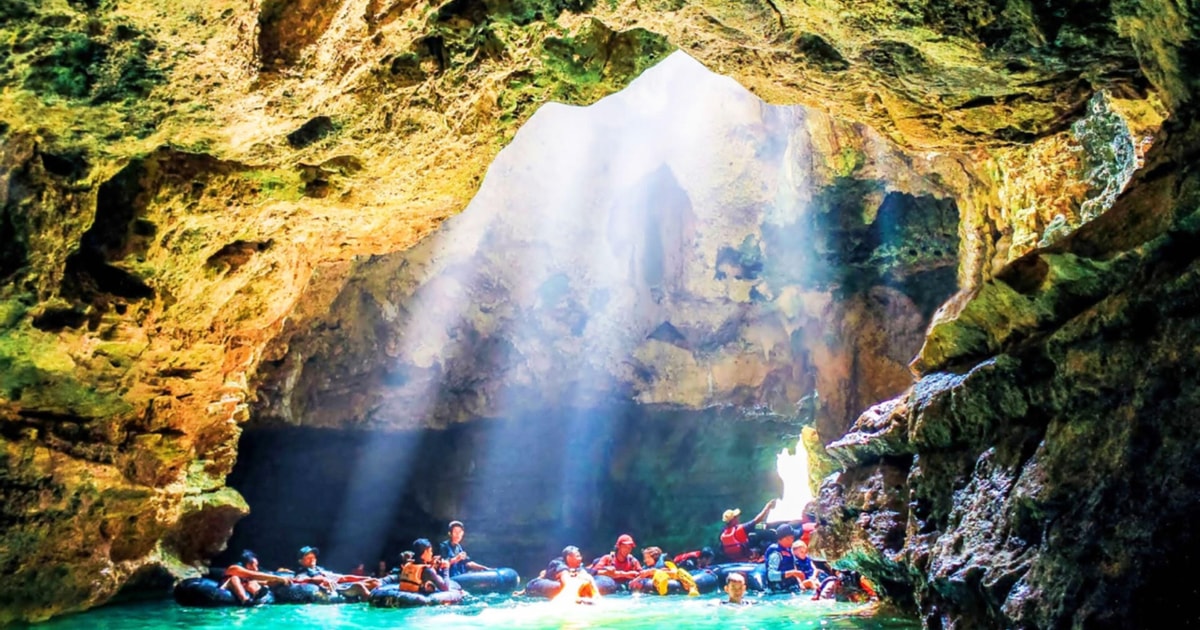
(735, 588)
(695, 560)
(423, 574)
(452, 551)
(781, 567)
(311, 573)
(661, 571)
(393, 577)
(246, 582)
(846, 586)
(807, 577)
(577, 584)
(620, 565)
(735, 537)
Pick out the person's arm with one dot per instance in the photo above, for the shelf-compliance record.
(242, 572)
(475, 566)
(438, 582)
(445, 551)
(322, 581)
(601, 566)
(631, 574)
(773, 560)
(761, 515)
(349, 579)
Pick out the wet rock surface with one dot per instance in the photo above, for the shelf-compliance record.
(1050, 480)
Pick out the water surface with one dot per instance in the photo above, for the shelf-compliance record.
(624, 612)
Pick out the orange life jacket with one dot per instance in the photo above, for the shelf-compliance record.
(410, 577)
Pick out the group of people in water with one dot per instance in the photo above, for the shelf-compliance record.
(785, 562)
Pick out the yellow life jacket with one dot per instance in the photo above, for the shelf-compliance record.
(410, 577)
(575, 585)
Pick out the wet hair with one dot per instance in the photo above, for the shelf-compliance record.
(570, 549)
(248, 557)
(420, 545)
(707, 552)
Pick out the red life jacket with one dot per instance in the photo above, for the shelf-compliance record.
(735, 543)
(684, 557)
(808, 530)
(629, 564)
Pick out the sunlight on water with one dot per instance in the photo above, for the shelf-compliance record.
(625, 612)
(797, 492)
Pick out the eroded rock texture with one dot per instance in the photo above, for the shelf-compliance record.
(1043, 474)
(753, 264)
(181, 182)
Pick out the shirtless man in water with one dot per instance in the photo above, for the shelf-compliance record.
(577, 584)
(246, 582)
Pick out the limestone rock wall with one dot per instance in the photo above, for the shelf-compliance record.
(1042, 470)
(181, 181)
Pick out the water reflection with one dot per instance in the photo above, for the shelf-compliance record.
(624, 612)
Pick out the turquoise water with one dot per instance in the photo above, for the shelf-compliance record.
(624, 612)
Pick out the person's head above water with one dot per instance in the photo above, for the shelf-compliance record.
(572, 557)
(735, 587)
(624, 544)
(249, 560)
(308, 556)
(457, 531)
(423, 550)
(799, 549)
(650, 555)
(785, 535)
